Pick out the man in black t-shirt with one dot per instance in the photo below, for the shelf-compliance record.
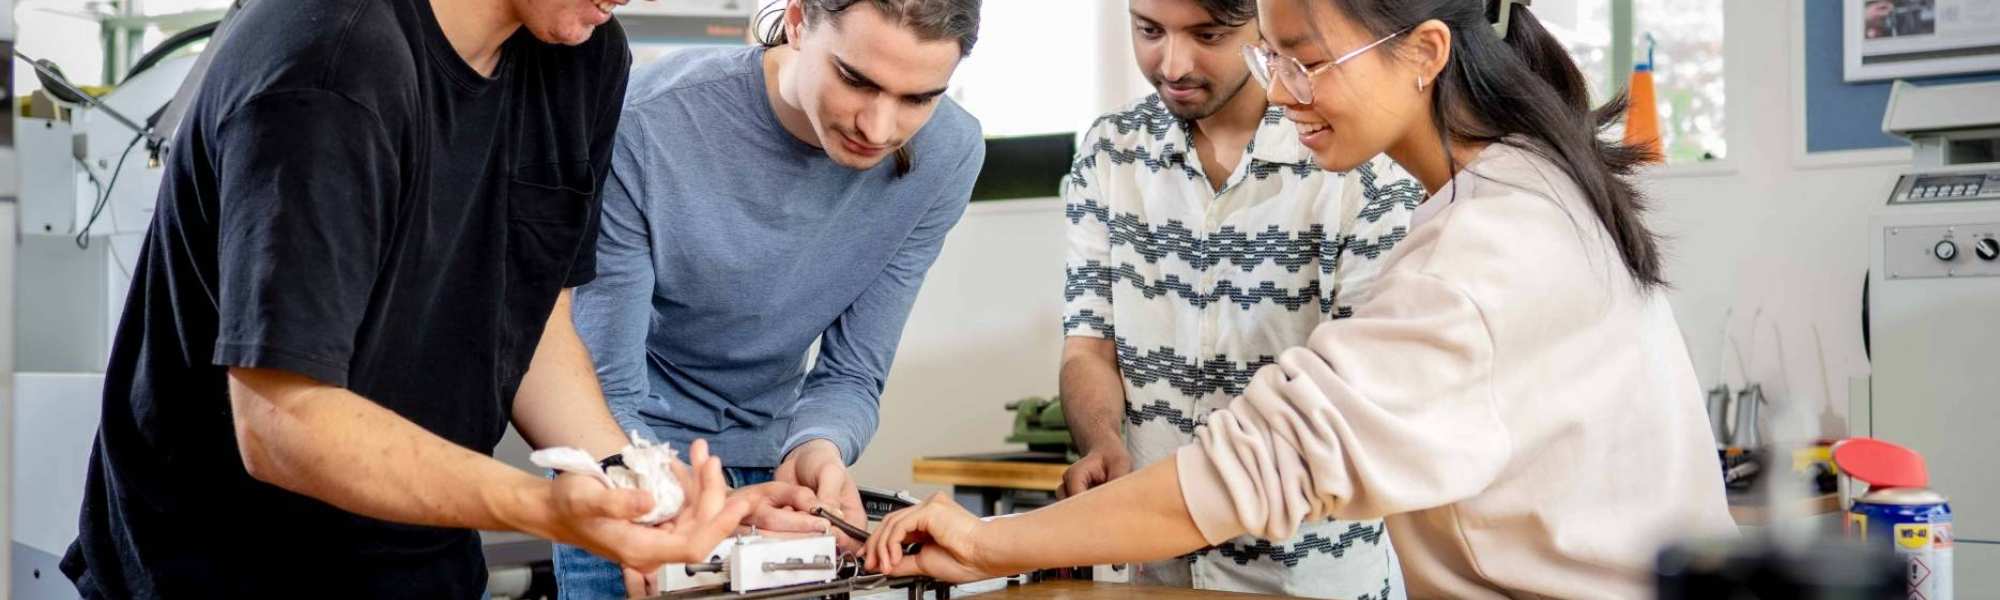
(358, 274)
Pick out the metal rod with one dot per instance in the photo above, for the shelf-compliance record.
(819, 563)
(859, 534)
(91, 102)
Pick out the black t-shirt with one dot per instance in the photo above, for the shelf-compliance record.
(349, 201)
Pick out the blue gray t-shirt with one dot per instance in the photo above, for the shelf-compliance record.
(728, 247)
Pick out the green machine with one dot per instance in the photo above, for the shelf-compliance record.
(1039, 423)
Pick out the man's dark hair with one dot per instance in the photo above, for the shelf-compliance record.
(1230, 12)
(931, 20)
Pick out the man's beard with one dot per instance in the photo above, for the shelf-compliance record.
(1195, 113)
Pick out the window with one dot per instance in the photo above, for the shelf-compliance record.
(1688, 69)
(168, 7)
(64, 32)
(75, 34)
(1688, 75)
(1584, 26)
(1032, 81)
(1034, 70)
(168, 17)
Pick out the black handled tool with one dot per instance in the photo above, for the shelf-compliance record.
(853, 531)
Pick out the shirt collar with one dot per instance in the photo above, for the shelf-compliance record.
(1277, 140)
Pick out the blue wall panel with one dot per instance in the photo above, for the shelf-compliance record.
(1842, 116)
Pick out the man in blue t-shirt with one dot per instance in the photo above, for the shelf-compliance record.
(763, 202)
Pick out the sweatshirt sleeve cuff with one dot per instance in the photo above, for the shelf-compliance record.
(850, 452)
(1207, 496)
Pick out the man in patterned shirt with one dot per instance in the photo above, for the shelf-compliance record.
(1204, 240)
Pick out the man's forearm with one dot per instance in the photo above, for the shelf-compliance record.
(330, 444)
(1093, 394)
(560, 402)
(1138, 518)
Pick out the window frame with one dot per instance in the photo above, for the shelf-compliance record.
(1623, 54)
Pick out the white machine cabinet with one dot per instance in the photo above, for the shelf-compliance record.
(1934, 311)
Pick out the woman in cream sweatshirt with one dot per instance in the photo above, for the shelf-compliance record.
(1515, 399)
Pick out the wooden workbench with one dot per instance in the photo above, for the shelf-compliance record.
(1095, 590)
(991, 471)
(996, 484)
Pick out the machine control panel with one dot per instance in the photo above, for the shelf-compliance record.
(1946, 187)
(1918, 252)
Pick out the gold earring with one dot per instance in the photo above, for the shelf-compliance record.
(1420, 83)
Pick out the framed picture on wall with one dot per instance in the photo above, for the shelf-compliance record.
(1893, 39)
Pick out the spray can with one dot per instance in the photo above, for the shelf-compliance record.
(1900, 512)
(1918, 522)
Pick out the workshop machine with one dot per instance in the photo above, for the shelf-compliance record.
(8, 194)
(1039, 423)
(1933, 309)
(89, 174)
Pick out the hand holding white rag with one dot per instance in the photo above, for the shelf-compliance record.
(647, 467)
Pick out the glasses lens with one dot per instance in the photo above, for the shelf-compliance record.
(1260, 64)
(1268, 66)
(1295, 79)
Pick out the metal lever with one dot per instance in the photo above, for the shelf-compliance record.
(859, 534)
(57, 85)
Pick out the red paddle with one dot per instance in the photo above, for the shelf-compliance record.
(1881, 464)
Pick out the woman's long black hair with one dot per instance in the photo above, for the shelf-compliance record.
(1525, 87)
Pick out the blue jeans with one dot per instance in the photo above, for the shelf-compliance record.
(581, 575)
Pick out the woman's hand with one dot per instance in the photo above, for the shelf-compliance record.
(953, 543)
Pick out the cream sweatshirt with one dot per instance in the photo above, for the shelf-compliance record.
(1524, 416)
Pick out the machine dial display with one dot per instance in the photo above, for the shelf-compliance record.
(1945, 250)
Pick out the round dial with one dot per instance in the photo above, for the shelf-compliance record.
(1945, 250)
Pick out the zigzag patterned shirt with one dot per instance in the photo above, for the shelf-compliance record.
(1200, 288)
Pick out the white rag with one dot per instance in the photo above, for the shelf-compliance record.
(646, 468)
